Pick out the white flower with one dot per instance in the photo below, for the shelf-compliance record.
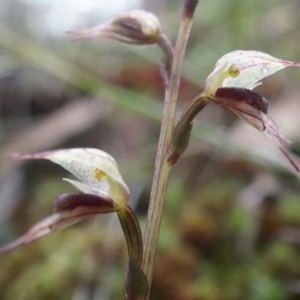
(230, 85)
(103, 187)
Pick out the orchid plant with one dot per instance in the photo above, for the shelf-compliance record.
(102, 187)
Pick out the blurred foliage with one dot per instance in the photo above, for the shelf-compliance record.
(231, 226)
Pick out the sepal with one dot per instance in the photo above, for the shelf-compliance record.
(97, 170)
(244, 69)
(68, 210)
(252, 108)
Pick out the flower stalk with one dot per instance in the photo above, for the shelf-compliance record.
(165, 45)
(132, 231)
(184, 126)
(136, 281)
(162, 164)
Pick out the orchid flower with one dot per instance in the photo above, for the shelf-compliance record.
(230, 85)
(133, 27)
(103, 191)
(137, 27)
(100, 181)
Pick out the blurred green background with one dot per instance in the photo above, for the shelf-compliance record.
(231, 224)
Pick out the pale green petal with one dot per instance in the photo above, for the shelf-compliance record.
(86, 189)
(253, 66)
(97, 170)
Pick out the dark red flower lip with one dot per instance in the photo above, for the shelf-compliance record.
(252, 108)
(68, 210)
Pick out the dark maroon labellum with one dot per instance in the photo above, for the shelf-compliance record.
(254, 99)
(66, 202)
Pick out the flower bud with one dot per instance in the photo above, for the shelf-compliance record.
(133, 27)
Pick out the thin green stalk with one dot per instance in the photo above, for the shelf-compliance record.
(182, 132)
(194, 107)
(162, 166)
(168, 51)
(132, 232)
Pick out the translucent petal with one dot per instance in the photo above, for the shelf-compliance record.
(85, 188)
(249, 68)
(95, 168)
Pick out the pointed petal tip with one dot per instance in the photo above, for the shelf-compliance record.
(290, 159)
(68, 210)
(11, 246)
(19, 156)
(12, 155)
(73, 38)
(94, 32)
(292, 64)
(76, 35)
(24, 240)
(15, 155)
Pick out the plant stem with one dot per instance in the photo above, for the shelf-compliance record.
(162, 166)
